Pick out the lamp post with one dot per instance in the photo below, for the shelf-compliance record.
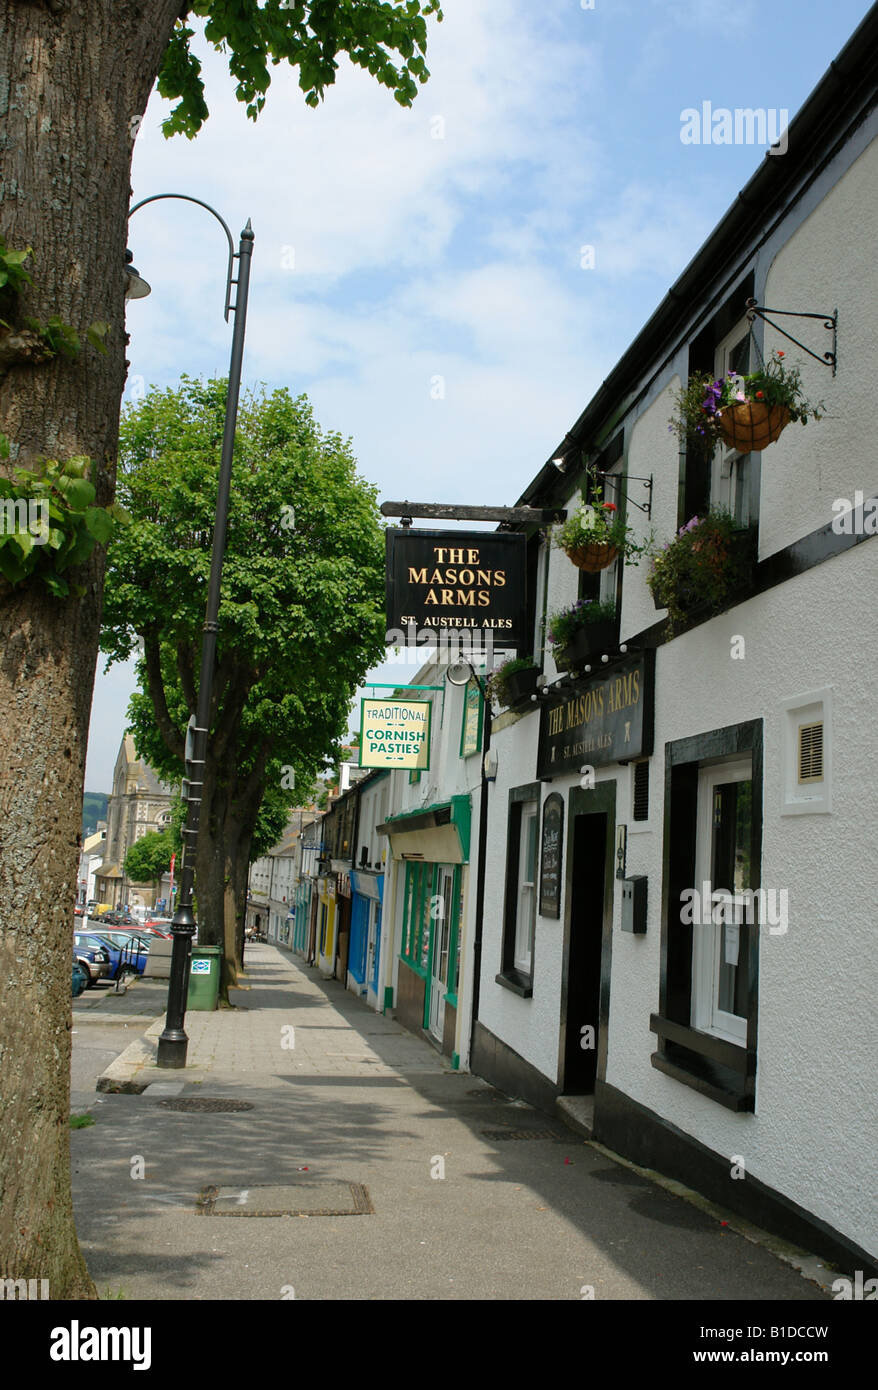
(173, 1042)
(461, 673)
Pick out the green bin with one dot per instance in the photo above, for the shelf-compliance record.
(204, 977)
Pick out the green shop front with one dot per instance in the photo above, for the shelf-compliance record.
(430, 855)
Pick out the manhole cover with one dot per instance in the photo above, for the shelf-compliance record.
(495, 1134)
(328, 1198)
(214, 1105)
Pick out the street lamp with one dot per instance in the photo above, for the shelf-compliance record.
(173, 1042)
(461, 673)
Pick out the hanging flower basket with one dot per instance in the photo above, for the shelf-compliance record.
(751, 425)
(595, 532)
(593, 557)
(746, 413)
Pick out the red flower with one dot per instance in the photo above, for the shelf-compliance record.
(781, 354)
(759, 395)
(610, 506)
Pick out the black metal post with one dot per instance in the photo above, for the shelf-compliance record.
(173, 1043)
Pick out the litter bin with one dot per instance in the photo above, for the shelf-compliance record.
(204, 977)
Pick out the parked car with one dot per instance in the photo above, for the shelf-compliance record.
(133, 945)
(80, 979)
(160, 925)
(127, 953)
(95, 960)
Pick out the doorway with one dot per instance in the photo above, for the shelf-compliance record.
(441, 930)
(588, 939)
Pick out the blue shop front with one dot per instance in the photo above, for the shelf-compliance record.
(367, 895)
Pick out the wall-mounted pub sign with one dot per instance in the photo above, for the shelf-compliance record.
(395, 733)
(599, 719)
(450, 581)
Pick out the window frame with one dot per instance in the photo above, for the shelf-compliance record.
(721, 1070)
(706, 1014)
(511, 975)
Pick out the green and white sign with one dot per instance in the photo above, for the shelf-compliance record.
(395, 733)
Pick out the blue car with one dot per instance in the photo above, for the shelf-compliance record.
(80, 979)
(122, 954)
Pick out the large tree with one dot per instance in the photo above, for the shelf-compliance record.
(76, 77)
(301, 619)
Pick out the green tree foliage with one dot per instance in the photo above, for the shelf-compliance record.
(301, 618)
(256, 35)
(150, 856)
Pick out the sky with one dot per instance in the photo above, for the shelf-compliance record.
(451, 283)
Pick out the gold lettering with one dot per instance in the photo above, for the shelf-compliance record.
(447, 598)
(500, 578)
(484, 598)
(417, 576)
(431, 597)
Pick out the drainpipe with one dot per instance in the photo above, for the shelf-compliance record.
(480, 885)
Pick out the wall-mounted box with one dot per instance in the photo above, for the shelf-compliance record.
(634, 903)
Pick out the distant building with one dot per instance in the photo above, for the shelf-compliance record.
(140, 802)
(90, 859)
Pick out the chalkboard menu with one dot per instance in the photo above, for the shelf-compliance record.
(551, 856)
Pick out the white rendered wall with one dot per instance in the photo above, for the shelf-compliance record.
(815, 1131)
(828, 263)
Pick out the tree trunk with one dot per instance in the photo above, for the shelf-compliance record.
(77, 75)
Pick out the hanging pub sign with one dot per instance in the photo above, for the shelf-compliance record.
(395, 733)
(456, 581)
(599, 719)
(550, 857)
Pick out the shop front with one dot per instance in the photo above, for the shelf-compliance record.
(326, 924)
(430, 855)
(367, 895)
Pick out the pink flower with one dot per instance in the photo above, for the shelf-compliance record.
(740, 396)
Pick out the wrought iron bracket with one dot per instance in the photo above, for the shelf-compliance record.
(830, 323)
(645, 507)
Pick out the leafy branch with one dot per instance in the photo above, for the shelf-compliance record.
(49, 522)
(28, 340)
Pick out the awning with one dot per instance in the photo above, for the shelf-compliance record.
(437, 834)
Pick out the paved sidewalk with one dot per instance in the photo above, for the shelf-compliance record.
(402, 1178)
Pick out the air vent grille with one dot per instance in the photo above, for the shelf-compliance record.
(641, 791)
(811, 752)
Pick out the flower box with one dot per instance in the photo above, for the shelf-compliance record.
(520, 685)
(716, 564)
(592, 640)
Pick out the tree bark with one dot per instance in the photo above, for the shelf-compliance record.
(77, 76)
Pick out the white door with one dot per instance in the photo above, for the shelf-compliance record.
(440, 929)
